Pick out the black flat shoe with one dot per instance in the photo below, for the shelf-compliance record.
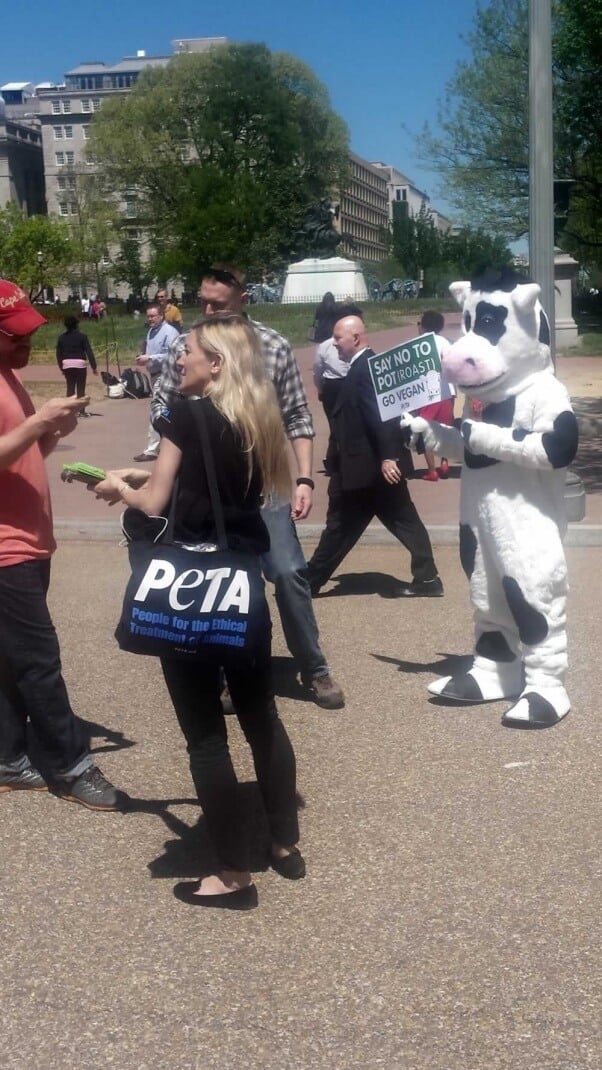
(240, 899)
(291, 866)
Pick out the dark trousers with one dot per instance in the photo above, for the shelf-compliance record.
(75, 379)
(195, 693)
(350, 512)
(31, 683)
(329, 393)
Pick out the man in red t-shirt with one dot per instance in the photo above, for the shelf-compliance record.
(31, 684)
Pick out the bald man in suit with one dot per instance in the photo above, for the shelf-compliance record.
(369, 463)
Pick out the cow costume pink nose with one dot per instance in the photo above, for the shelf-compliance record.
(472, 361)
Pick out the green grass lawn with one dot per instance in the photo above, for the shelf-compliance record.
(590, 345)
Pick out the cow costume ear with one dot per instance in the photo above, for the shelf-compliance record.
(460, 290)
(525, 296)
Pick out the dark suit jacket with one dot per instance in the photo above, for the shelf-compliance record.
(360, 441)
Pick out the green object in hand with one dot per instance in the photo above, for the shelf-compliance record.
(82, 473)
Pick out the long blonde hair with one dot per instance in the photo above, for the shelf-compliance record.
(245, 396)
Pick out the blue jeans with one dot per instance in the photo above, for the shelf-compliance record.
(285, 566)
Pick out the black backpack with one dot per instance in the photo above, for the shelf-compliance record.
(136, 384)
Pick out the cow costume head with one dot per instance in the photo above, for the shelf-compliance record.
(506, 336)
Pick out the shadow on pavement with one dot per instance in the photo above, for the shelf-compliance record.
(353, 583)
(115, 740)
(191, 855)
(285, 676)
(450, 665)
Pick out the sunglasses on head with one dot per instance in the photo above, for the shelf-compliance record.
(224, 276)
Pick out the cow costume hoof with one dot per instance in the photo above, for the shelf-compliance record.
(479, 685)
(538, 709)
(461, 689)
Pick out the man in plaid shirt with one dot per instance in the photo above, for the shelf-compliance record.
(222, 289)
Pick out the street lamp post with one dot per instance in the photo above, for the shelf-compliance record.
(541, 192)
(40, 260)
(541, 155)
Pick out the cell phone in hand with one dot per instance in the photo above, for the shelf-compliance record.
(82, 473)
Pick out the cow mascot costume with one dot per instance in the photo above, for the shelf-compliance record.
(512, 512)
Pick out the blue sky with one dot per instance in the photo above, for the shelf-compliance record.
(385, 64)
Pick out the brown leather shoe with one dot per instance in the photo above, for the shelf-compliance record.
(327, 692)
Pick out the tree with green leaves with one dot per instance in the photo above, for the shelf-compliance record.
(468, 253)
(416, 245)
(578, 64)
(482, 147)
(226, 150)
(129, 266)
(22, 239)
(92, 223)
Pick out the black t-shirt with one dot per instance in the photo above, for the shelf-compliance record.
(194, 522)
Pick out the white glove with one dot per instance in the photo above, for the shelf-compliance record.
(416, 424)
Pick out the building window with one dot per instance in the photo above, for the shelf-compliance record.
(58, 133)
(86, 132)
(56, 107)
(66, 106)
(69, 158)
(73, 207)
(69, 133)
(62, 183)
(96, 102)
(130, 208)
(86, 104)
(59, 159)
(63, 208)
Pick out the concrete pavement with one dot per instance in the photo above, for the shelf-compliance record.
(450, 919)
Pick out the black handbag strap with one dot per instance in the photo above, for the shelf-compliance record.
(198, 411)
(216, 502)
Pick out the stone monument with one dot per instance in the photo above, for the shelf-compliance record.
(320, 270)
(565, 271)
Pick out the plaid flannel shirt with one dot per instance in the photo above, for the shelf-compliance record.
(280, 365)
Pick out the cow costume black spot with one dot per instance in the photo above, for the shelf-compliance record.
(512, 512)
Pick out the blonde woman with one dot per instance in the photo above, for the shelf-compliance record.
(223, 370)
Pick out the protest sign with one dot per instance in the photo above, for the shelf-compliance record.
(406, 377)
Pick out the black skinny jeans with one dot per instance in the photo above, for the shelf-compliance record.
(31, 683)
(195, 693)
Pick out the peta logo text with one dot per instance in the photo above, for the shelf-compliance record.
(221, 589)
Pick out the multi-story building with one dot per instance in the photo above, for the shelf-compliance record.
(404, 195)
(364, 212)
(21, 161)
(66, 112)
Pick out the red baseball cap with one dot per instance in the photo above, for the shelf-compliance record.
(17, 315)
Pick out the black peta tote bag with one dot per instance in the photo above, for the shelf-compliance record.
(207, 605)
